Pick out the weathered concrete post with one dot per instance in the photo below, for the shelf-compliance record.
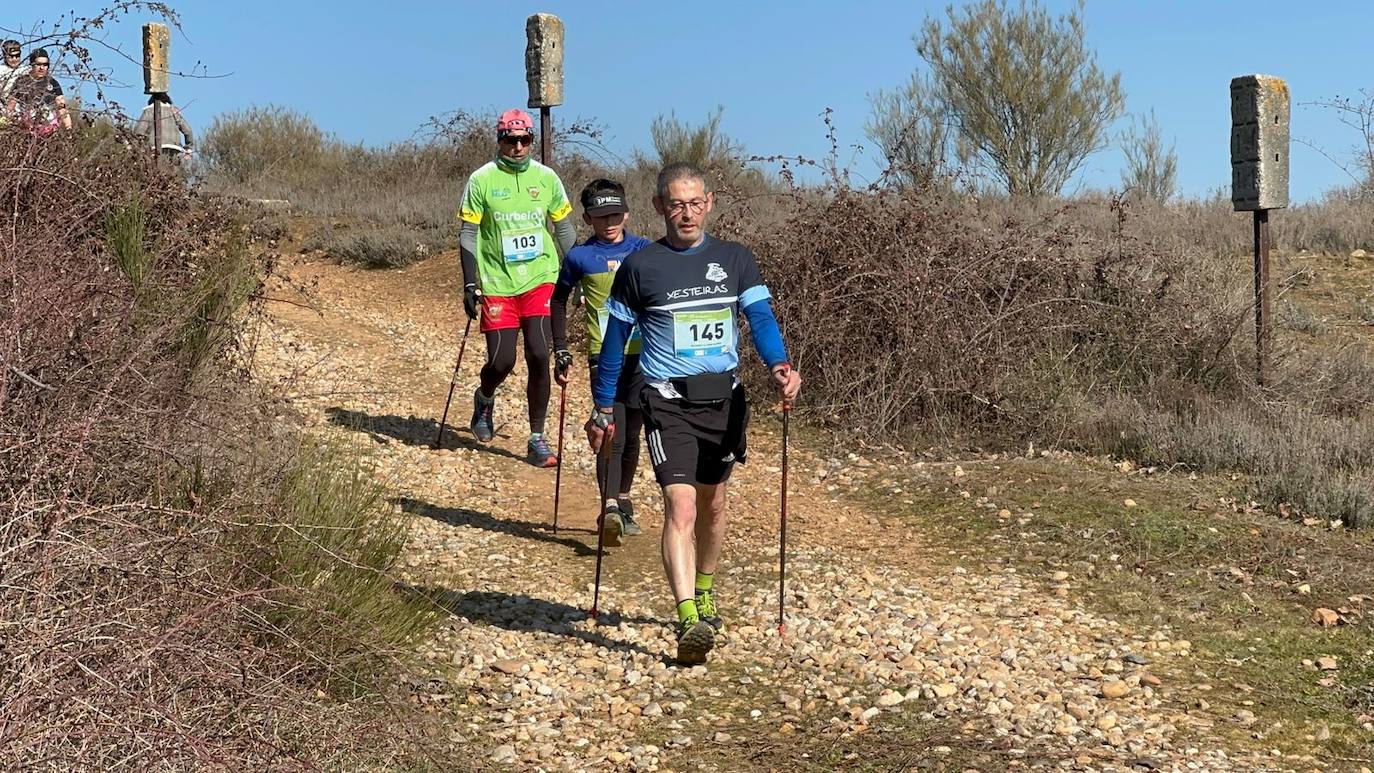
(157, 58)
(544, 73)
(1260, 110)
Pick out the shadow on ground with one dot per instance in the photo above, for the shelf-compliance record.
(411, 430)
(462, 516)
(522, 613)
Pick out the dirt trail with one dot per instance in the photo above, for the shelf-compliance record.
(894, 658)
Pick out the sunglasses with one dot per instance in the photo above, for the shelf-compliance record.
(40, 64)
(11, 54)
(523, 139)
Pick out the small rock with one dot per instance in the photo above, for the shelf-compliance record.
(1150, 679)
(945, 690)
(721, 737)
(1327, 664)
(890, 698)
(1304, 589)
(1325, 617)
(508, 666)
(1115, 688)
(869, 714)
(1359, 254)
(1059, 576)
(1129, 503)
(503, 754)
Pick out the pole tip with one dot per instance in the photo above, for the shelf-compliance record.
(782, 629)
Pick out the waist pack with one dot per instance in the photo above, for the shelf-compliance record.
(705, 387)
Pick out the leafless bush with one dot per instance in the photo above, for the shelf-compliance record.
(141, 621)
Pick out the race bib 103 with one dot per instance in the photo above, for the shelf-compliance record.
(523, 247)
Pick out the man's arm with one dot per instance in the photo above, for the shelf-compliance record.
(763, 327)
(62, 113)
(467, 252)
(186, 139)
(566, 234)
(611, 359)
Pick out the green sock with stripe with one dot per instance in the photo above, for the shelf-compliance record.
(704, 582)
(687, 612)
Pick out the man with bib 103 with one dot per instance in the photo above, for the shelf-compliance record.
(509, 268)
(685, 292)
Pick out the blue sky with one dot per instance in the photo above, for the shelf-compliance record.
(374, 72)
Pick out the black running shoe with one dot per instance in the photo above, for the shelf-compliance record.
(628, 527)
(611, 526)
(482, 409)
(695, 638)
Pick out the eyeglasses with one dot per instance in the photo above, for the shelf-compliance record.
(678, 207)
(40, 64)
(11, 54)
(518, 139)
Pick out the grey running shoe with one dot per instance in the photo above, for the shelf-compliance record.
(541, 453)
(628, 527)
(611, 526)
(482, 409)
(695, 638)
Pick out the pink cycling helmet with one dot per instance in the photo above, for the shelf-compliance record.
(514, 120)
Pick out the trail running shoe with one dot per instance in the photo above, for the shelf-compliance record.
(706, 608)
(541, 453)
(628, 527)
(695, 638)
(482, 409)
(611, 526)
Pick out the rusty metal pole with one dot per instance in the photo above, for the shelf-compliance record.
(157, 130)
(1264, 295)
(546, 136)
(157, 58)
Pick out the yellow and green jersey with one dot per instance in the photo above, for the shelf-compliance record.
(515, 251)
(592, 265)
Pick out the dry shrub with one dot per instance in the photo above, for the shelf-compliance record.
(176, 582)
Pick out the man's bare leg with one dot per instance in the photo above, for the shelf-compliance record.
(679, 534)
(710, 527)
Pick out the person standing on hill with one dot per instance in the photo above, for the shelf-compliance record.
(685, 293)
(593, 265)
(37, 98)
(172, 124)
(509, 268)
(10, 71)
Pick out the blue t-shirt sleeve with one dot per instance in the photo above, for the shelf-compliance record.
(572, 270)
(763, 328)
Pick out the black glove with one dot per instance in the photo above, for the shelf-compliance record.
(472, 300)
(562, 360)
(600, 428)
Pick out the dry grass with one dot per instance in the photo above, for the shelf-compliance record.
(178, 585)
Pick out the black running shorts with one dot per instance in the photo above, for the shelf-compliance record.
(694, 442)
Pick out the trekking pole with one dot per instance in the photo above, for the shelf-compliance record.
(601, 519)
(782, 523)
(453, 382)
(558, 473)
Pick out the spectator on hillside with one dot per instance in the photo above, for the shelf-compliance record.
(172, 123)
(37, 97)
(10, 69)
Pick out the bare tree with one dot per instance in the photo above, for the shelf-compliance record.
(705, 144)
(1151, 169)
(1358, 114)
(1023, 90)
(913, 131)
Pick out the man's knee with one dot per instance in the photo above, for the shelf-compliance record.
(536, 357)
(680, 505)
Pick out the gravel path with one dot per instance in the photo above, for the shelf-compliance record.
(882, 627)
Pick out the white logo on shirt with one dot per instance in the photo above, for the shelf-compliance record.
(714, 273)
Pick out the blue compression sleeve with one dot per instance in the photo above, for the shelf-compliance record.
(610, 361)
(763, 328)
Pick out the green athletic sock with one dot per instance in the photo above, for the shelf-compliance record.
(687, 612)
(704, 582)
